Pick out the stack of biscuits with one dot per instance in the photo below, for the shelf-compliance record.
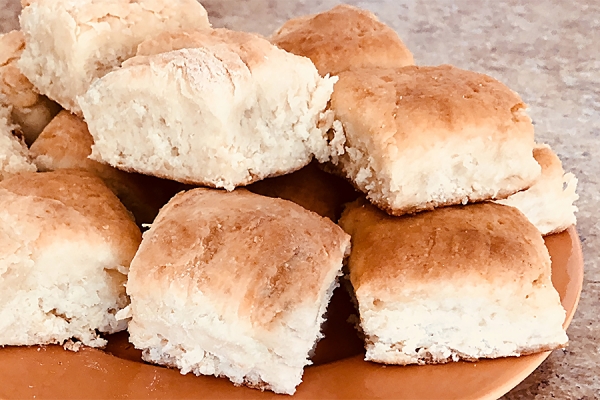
(268, 170)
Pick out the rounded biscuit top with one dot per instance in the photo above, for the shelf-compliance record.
(65, 193)
(64, 143)
(548, 160)
(462, 245)
(249, 255)
(251, 48)
(428, 104)
(343, 37)
(216, 58)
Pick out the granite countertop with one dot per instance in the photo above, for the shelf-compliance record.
(549, 52)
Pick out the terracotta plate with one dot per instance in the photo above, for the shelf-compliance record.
(339, 371)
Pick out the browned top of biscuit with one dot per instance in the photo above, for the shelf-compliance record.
(310, 187)
(423, 105)
(341, 38)
(65, 143)
(250, 255)
(84, 193)
(251, 47)
(548, 160)
(478, 243)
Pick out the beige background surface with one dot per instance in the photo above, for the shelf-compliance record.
(549, 52)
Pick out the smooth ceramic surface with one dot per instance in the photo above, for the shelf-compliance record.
(339, 371)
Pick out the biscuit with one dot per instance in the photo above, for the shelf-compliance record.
(548, 203)
(71, 43)
(341, 38)
(14, 156)
(234, 284)
(425, 137)
(66, 144)
(66, 243)
(456, 283)
(226, 110)
(30, 110)
(311, 188)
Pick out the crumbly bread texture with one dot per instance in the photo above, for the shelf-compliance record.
(233, 110)
(66, 144)
(234, 284)
(342, 38)
(30, 110)
(310, 187)
(424, 137)
(549, 203)
(461, 282)
(14, 156)
(65, 246)
(71, 43)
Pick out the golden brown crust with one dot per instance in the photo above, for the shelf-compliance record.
(66, 143)
(443, 245)
(256, 254)
(251, 47)
(86, 194)
(341, 38)
(311, 188)
(548, 160)
(423, 105)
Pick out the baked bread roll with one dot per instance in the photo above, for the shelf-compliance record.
(65, 246)
(425, 137)
(14, 156)
(234, 285)
(233, 110)
(342, 38)
(310, 187)
(30, 110)
(548, 204)
(456, 283)
(66, 144)
(71, 43)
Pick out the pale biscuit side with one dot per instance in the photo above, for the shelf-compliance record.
(549, 203)
(14, 156)
(30, 110)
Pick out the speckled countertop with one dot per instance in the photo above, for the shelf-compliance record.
(549, 52)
